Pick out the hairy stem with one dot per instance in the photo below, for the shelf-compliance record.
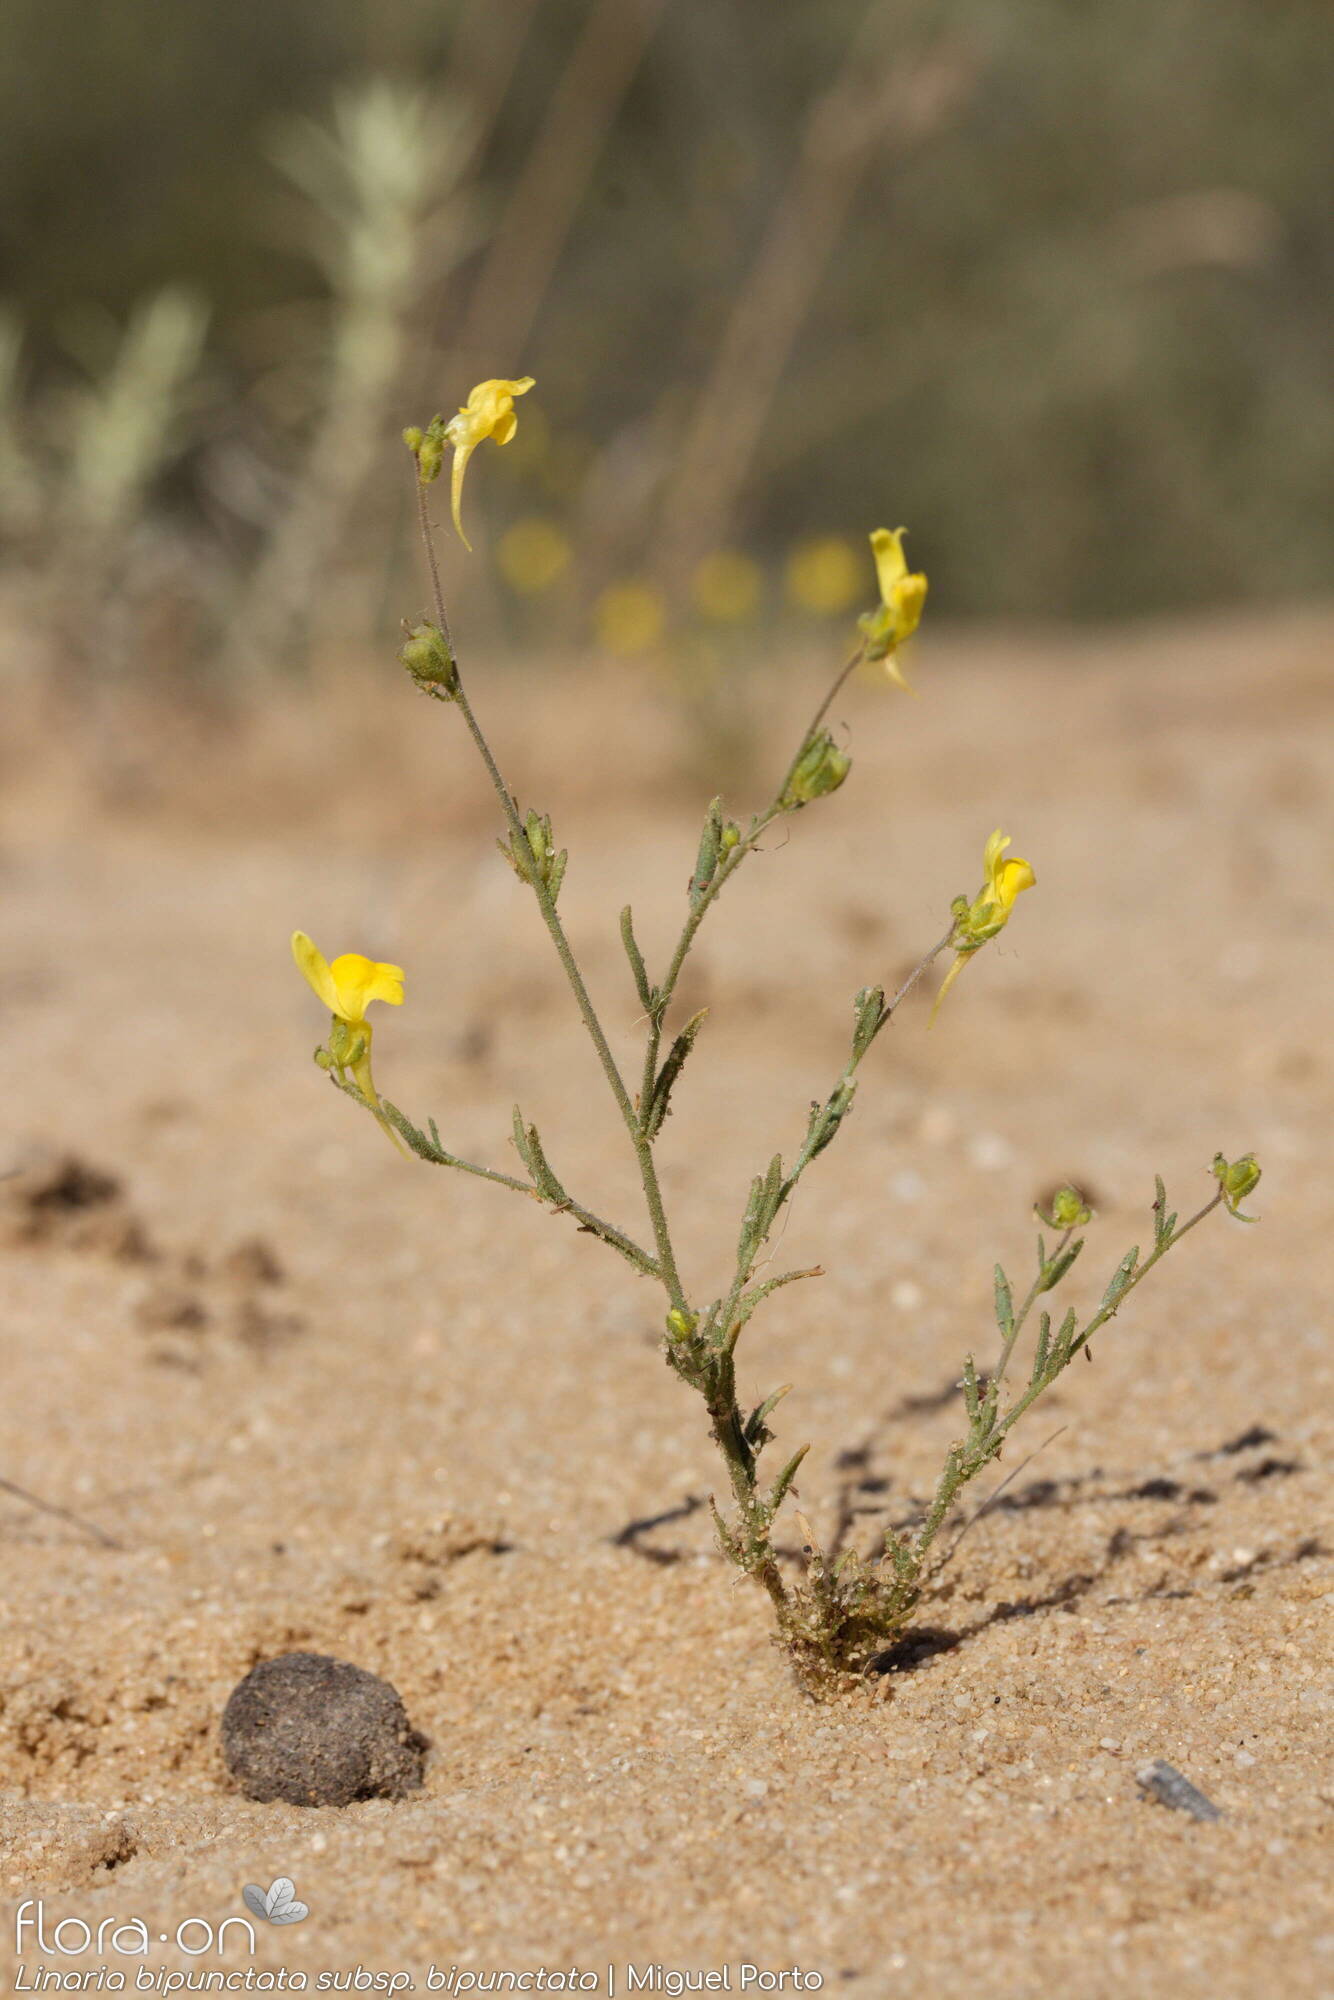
(643, 1150)
(727, 868)
(965, 1460)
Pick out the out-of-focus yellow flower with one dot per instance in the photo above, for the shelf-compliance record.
(899, 612)
(727, 587)
(989, 912)
(532, 554)
(630, 617)
(347, 988)
(488, 413)
(824, 575)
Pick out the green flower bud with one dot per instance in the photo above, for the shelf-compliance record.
(1067, 1209)
(427, 447)
(347, 1044)
(534, 857)
(539, 837)
(821, 768)
(323, 1059)
(428, 659)
(1237, 1179)
(680, 1325)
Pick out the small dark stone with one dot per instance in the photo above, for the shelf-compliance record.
(314, 1731)
(1162, 1781)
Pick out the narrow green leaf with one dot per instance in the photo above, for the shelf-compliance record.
(748, 1240)
(767, 1201)
(660, 1102)
(748, 1302)
(636, 958)
(755, 1422)
(779, 1491)
(1121, 1277)
(870, 1011)
(1053, 1272)
(1004, 1304)
(827, 1117)
(1043, 1352)
(706, 864)
(547, 1183)
(1065, 1334)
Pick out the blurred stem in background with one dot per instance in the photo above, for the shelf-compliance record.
(887, 96)
(1049, 282)
(551, 184)
(20, 482)
(384, 179)
(120, 429)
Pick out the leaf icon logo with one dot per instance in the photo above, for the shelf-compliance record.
(277, 1904)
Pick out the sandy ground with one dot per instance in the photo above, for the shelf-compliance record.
(324, 1399)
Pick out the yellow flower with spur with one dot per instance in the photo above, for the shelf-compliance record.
(989, 912)
(899, 612)
(488, 413)
(347, 988)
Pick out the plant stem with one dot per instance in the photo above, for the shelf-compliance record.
(643, 1149)
(967, 1459)
(812, 1145)
(727, 868)
(1034, 1293)
(429, 1149)
(821, 712)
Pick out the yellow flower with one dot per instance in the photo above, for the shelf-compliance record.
(1005, 879)
(347, 988)
(532, 555)
(488, 413)
(629, 617)
(824, 576)
(727, 587)
(899, 612)
(989, 912)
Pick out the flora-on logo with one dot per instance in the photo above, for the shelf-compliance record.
(277, 1904)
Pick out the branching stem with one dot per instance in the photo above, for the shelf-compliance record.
(841, 1612)
(643, 1149)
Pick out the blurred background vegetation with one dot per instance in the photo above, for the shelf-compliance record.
(1047, 280)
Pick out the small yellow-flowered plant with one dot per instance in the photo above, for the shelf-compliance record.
(989, 912)
(899, 612)
(836, 1614)
(347, 988)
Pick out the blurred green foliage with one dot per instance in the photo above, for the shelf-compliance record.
(1076, 333)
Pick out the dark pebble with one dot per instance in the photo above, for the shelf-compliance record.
(314, 1731)
(1163, 1782)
